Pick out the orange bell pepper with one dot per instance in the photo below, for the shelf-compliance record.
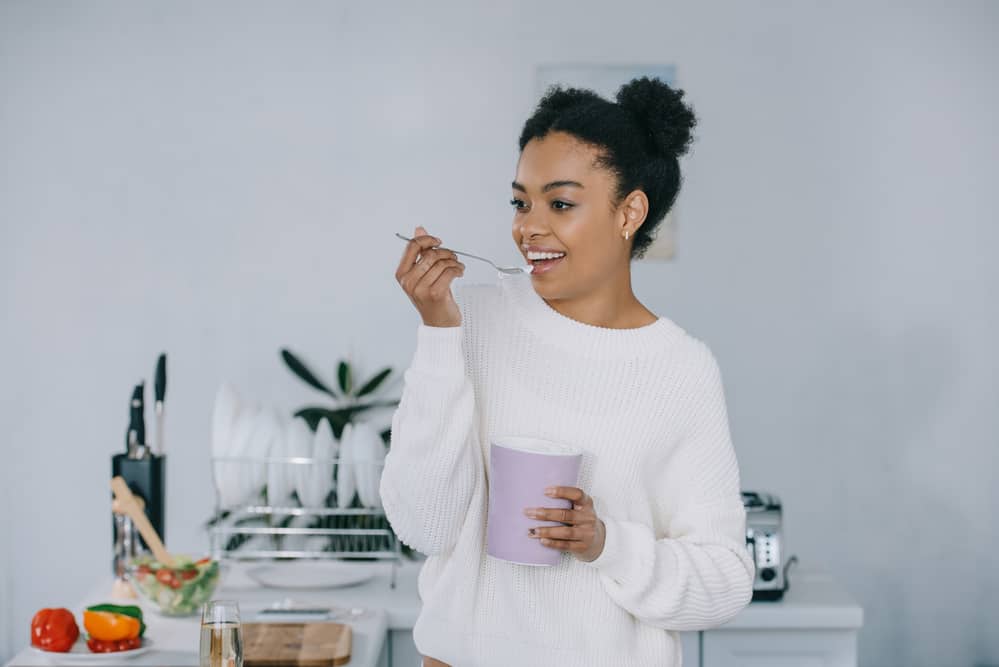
(108, 626)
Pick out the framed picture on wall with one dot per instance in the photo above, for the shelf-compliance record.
(605, 80)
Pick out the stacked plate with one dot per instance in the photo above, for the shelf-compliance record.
(250, 433)
(367, 456)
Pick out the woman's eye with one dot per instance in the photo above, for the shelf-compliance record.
(517, 203)
(561, 205)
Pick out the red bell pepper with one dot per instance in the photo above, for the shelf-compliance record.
(54, 630)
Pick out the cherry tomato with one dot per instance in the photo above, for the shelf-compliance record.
(111, 646)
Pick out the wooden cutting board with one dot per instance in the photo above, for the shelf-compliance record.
(302, 644)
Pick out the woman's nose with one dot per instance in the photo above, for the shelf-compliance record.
(532, 226)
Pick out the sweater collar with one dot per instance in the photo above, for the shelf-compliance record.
(587, 339)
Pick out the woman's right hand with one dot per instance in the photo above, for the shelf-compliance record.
(425, 274)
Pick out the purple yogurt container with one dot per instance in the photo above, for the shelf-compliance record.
(521, 469)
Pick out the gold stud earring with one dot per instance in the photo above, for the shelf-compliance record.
(626, 235)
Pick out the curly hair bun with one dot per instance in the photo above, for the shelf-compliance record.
(661, 111)
(559, 98)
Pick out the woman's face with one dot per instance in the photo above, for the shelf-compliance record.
(562, 203)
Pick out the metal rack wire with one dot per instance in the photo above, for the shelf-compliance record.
(257, 529)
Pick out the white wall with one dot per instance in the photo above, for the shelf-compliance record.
(220, 181)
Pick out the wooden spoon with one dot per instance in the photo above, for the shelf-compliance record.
(128, 505)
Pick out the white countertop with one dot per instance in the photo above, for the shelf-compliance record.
(813, 601)
(175, 640)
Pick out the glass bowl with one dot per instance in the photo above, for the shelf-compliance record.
(174, 591)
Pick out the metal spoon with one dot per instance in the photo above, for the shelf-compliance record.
(502, 269)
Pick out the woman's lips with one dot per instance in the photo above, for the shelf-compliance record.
(545, 265)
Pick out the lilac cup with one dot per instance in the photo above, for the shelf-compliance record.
(521, 469)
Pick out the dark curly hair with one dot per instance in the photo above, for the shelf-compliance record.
(640, 138)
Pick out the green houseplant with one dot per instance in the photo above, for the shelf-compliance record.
(351, 399)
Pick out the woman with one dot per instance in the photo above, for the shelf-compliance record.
(655, 541)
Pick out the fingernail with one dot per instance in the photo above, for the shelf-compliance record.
(550, 490)
(531, 532)
(529, 513)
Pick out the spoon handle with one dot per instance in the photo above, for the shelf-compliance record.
(457, 252)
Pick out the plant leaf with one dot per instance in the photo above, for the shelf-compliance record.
(344, 376)
(374, 382)
(302, 371)
(338, 417)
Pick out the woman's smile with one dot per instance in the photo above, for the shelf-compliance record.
(542, 266)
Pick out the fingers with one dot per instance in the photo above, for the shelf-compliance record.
(564, 545)
(580, 531)
(427, 270)
(420, 243)
(568, 533)
(560, 514)
(565, 538)
(437, 279)
(573, 493)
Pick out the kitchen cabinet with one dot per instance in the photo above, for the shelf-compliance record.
(776, 648)
(815, 625)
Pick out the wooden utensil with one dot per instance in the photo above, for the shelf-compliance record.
(128, 505)
(298, 644)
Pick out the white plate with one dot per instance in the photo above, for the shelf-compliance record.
(80, 654)
(280, 482)
(224, 417)
(227, 406)
(299, 445)
(324, 450)
(369, 456)
(310, 575)
(266, 429)
(346, 482)
(236, 482)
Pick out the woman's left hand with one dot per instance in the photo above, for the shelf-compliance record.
(583, 536)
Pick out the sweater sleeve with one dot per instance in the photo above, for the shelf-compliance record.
(434, 463)
(700, 574)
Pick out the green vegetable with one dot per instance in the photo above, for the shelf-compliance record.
(125, 610)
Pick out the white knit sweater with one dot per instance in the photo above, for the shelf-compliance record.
(647, 408)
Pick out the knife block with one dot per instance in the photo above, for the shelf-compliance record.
(146, 478)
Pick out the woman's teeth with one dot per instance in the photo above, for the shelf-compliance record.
(531, 255)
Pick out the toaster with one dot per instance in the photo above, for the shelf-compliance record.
(764, 540)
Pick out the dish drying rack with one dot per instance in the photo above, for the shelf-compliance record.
(259, 529)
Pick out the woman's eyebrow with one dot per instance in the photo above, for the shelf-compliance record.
(549, 186)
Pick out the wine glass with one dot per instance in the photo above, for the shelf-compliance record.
(221, 634)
